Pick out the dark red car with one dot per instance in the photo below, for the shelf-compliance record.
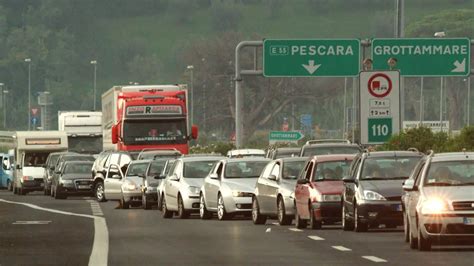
(318, 191)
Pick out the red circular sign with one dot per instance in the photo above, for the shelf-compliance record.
(379, 85)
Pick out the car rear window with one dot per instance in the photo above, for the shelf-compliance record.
(310, 151)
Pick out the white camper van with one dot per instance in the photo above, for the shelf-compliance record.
(31, 150)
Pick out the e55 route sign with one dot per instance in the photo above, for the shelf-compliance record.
(424, 57)
(311, 58)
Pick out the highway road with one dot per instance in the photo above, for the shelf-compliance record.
(38, 230)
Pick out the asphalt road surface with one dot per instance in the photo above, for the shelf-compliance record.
(39, 230)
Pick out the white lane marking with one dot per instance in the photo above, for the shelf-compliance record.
(374, 259)
(100, 247)
(341, 248)
(295, 230)
(32, 222)
(317, 238)
(96, 210)
(268, 230)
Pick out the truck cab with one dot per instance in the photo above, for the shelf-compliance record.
(31, 151)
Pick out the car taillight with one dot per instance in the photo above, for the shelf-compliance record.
(26, 178)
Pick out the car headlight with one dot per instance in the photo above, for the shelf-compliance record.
(433, 206)
(65, 181)
(130, 186)
(194, 190)
(371, 195)
(331, 198)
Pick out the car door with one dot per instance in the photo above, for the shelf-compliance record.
(261, 184)
(302, 191)
(113, 183)
(173, 186)
(271, 190)
(213, 185)
(350, 187)
(413, 198)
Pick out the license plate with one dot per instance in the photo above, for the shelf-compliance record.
(83, 187)
(468, 220)
(397, 207)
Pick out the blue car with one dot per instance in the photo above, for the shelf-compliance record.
(6, 171)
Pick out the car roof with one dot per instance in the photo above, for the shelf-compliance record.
(292, 159)
(333, 157)
(201, 158)
(140, 161)
(331, 144)
(393, 154)
(79, 162)
(452, 156)
(247, 159)
(245, 152)
(288, 149)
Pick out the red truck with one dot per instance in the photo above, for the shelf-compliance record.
(146, 117)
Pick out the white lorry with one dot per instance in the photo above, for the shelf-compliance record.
(31, 150)
(84, 130)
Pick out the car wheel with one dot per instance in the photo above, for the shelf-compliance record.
(300, 223)
(203, 212)
(182, 213)
(257, 217)
(9, 185)
(57, 195)
(283, 219)
(406, 227)
(221, 212)
(51, 192)
(99, 192)
(124, 204)
(160, 202)
(424, 244)
(313, 223)
(359, 226)
(145, 203)
(165, 213)
(22, 192)
(45, 191)
(347, 225)
(15, 190)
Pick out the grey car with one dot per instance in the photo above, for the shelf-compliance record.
(228, 188)
(181, 189)
(274, 191)
(439, 200)
(152, 180)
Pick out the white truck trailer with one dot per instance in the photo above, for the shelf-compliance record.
(84, 130)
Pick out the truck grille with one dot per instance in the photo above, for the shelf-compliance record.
(463, 206)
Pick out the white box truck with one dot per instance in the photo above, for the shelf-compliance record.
(31, 150)
(84, 130)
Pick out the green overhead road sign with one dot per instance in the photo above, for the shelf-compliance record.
(311, 58)
(424, 57)
(285, 136)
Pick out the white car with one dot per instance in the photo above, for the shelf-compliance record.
(241, 153)
(126, 188)
(228, 189)
(182, 187)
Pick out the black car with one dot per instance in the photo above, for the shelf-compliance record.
(66, 157)
(100, 166)
(283, 152)
(73, 179)
(372, 191)
(329, 146)
(51, 162)
(151, 154)
(153, 177)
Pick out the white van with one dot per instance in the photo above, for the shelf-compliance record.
(31, 150)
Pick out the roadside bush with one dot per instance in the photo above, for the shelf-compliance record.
(217, 147)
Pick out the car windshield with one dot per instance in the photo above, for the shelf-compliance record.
(334, 170)
(53, 160)
(244, 169)
(291, 170)
(156, 167)
(452, 173)
(35, 159)
(388, 168)
(137, 169)
(78, 168)
(197, 169)
(155, 131)
(317, 150)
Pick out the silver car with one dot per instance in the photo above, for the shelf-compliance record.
(181, 189)
(167, 170)
(228, 188)
(126, 188)
(439, 200)
(150, 184)
(274, 193)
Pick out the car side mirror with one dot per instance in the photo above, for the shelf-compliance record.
(273, 178)
(116, 176)
(114, 134)
(348, 179)
(213, 176)
(409, 185)
(174, 177)
(302, 181)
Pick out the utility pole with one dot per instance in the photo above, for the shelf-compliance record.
(28, 60)
(94, 62)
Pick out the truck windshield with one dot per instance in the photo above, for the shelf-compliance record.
(89, 145)
(35, 159)
(154, 132)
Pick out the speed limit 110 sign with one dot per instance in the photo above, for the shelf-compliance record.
(379, 105)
